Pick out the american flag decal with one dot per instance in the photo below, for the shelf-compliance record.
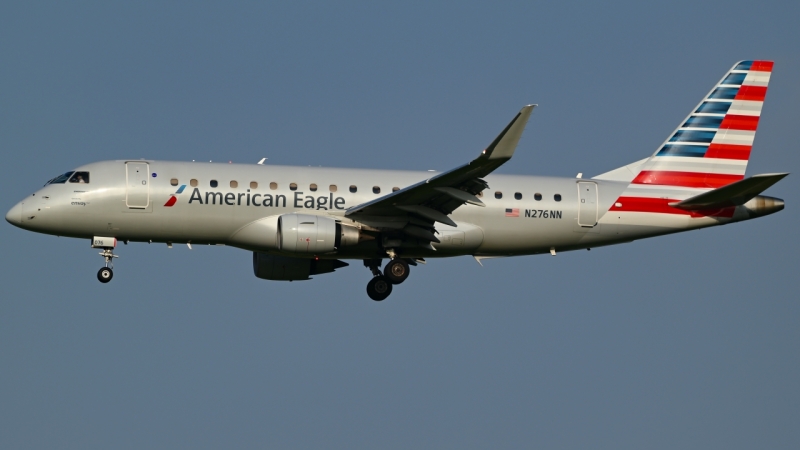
(512, 212)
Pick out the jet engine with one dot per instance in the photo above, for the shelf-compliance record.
(286, 268)
(313, 235)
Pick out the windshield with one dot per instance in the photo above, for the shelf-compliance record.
(61, 179)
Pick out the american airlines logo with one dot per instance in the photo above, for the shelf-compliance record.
(173, 198)
(296, 200)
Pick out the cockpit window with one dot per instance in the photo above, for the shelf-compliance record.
(80, 177)
(61, 179)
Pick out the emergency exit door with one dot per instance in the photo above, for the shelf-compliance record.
(587, 208)
(138, 185)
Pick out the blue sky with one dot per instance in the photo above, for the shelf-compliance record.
(684, 341)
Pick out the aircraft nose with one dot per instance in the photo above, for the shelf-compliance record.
(14, 215)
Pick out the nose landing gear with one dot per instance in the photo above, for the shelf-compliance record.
(106, 273)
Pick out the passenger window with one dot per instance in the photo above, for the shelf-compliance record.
(353, 188)
(518, 195)
(332, 188)
(193, 182)
(376, 189)
(498, 194)
(214, 183)
(273, 185)
(253, 185)
(292, 186)
(557, 197)
(537, 196)
(173, 181)
(80, 177)
(234, 184)
(313, 187)
(394, 189)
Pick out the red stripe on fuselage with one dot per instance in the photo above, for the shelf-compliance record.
(171, 201)
(754, 93)
(661, 206)
(762, 66)
(685, 179)
(736, 122)
(729, 151)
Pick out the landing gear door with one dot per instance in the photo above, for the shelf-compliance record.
(587, 206)
(138, 185)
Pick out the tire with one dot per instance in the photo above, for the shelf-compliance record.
(379, 288)
(397, 270)
(105, 275)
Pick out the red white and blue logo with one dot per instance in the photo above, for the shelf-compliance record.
(172, 198)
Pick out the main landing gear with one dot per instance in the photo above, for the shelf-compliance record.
(380, 286)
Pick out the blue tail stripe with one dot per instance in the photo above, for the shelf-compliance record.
(693, 136)
(703, 122)
(724, 93)
(734, 78)
(714, 107)
(683, 150)
(744, 65)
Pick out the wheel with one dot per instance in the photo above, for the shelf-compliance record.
(379, 288)
(105, 275)
(396, 271)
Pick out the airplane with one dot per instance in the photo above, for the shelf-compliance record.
(304, 221)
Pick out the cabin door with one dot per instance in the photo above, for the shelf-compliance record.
(587, 208)
(138, 185)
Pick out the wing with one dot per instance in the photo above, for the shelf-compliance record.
(413, 210)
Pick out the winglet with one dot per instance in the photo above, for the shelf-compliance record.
(504, 144)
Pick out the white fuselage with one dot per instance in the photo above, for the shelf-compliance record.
(532, 214)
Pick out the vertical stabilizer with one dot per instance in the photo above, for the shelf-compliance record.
(712, 146)
(709, 149)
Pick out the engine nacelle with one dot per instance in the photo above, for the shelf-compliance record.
(313, 235)
(286, 268)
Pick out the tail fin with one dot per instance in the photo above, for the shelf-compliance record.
(712, 145)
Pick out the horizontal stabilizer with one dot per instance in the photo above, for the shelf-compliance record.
(733, 194)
